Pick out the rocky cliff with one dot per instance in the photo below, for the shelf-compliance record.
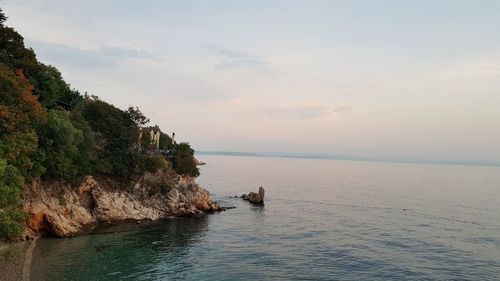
(60, 210)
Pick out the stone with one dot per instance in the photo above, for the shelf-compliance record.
(173, 195)
(94, 203)
(261, 193)
(36, 221)
(255, 198)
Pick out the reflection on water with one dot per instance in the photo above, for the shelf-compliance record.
(322, 220)
(130, 252)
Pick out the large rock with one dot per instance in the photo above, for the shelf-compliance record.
(255, 198)
(62, 210)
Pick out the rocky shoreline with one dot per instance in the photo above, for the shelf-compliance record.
(60, 210)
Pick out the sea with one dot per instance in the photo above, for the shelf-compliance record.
(322, 220)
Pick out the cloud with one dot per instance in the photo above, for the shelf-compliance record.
(226, 52)
(236, 59)
(120, 52)
(296, 112)
(339, 85)
(477, 68)
(243, 63)
(487, 68)
(202, 94)
(342, 109)
(104, 56)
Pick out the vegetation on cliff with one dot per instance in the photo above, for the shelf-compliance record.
(50, 131)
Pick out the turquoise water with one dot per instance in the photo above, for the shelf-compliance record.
(323, 220)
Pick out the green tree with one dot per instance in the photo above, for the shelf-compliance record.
(165, 141)
(11, 181)
(19, 112)
(49, 85)
(137, 116)
(12, 219)
(14, 54)
(67, 142)
(117, 133)
(88, 148)
(184, 161)
(72, 98)
(47, 80)
(3, 18)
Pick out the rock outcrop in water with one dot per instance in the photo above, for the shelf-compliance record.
(255, 198)
(64, 210)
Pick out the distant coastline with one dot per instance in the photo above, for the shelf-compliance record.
(351, 158)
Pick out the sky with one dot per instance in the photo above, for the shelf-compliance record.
(387, 79)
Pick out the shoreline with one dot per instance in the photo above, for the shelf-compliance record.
(15, 260)
(66, 211)
(28, 260)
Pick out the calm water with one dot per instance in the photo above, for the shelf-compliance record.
(323, 220)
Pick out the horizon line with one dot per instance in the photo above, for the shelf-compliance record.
(491, 163)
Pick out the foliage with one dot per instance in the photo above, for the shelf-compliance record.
(11, 218)
(49, 85)
(162, 188)
(88, 148)
(72, 98)
(12, 223)
(48, 130)
(165, 141)
(19, 111)
(66, 140)
(137, 116)
(152, 163)
(184, 161)
(14, 54)
(161, 181)
(117, 132)
(11, 181)
(3, 18)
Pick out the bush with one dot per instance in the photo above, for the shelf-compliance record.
(11, 182)
(11, 218)
(19, 111)
(60, 141)
(12, 222)
(117, 132)
(184, 162)
(152, 164)
(161, 188)
(161, 181)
